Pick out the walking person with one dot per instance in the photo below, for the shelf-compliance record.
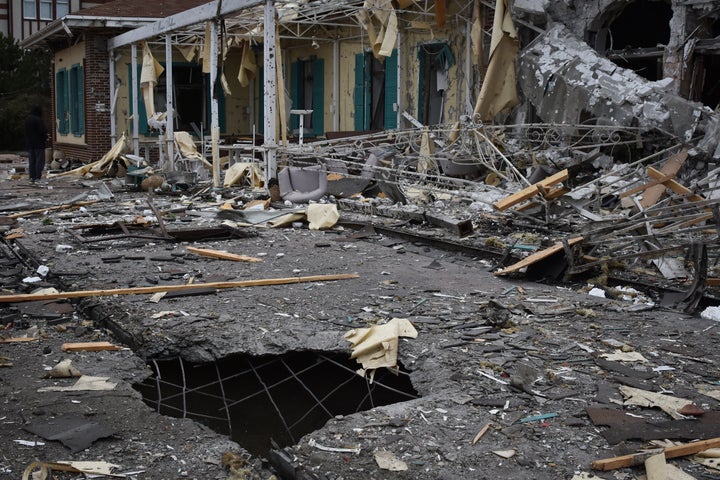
(35, 138)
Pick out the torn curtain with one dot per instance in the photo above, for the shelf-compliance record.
(151, 70)
(499, 90)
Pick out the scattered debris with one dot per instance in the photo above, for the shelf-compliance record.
(676, 407)
(74, 432)
(377, 346)
(64, 369)
(84, 383)
(388, 461)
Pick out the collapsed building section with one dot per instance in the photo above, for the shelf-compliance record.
(567, 82)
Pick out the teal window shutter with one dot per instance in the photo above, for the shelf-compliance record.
(76, 107)
(359, 92)
(61, 101)
(295, 94)
(142, 114)
(81, 100)
(318, 115)
(391, 70)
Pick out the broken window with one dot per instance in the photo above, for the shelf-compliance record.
(634, 35)
(708, 88)
(375, 92)
(307, 79)
(435, 59)
(191, 98)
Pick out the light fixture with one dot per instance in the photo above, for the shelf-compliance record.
(315, 44)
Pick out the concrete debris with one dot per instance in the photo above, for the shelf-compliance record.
(565, 79)
(84, 383)
(387, 461)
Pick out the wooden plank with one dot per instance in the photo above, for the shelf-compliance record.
(645, 186)
(205, 252)
(28, 297)
(18, 339)
(635, 459)
(674, 185)
(89, 347)
(537, 256)
(671, 167)
(49, 209)
(530, 191)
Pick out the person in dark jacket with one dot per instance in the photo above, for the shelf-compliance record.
(35, 139)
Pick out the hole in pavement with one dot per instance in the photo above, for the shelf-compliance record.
(254, 399)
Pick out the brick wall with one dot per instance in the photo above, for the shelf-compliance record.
(97, 97)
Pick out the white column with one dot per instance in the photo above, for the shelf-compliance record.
(270, 91)
(398, 114)
(136, 116)
(469, 106)
(336, 85)
(113, 98)
(169, 105)
(214, 120)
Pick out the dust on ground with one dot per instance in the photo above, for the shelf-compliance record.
(524, 359)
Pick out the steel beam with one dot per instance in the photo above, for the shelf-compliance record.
(208, 11)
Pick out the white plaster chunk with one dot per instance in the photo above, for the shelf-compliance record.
(531, 6)
(654, 111)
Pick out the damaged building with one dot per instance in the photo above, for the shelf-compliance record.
(369, 239)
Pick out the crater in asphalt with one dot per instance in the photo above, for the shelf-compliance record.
(256, 399)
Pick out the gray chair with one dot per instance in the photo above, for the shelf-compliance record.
(302, 184)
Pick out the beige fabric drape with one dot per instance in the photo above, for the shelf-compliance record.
(499, 90)
(151, 70)
(248, 67)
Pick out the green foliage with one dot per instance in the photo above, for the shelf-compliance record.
(24, 82)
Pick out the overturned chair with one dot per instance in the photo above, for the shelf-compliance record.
(302, 184)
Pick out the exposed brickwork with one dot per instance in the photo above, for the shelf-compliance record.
(97, 96)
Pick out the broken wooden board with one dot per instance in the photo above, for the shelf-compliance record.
(534, 189)
(89, 347)
(674, 185)
(49, 209)
(670, 168)
(635, 459)
(28, 297)
(205, 252)
(18, 339)
(536, 257)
